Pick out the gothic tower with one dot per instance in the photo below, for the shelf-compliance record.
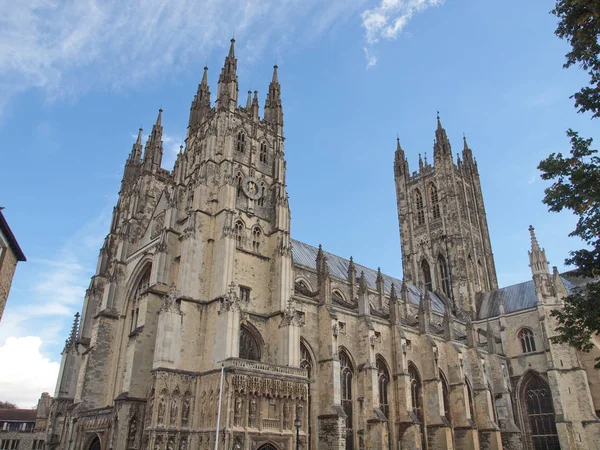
(443, 227)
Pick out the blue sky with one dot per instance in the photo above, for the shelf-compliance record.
(78, 78)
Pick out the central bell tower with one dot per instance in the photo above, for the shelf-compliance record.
(443, 226)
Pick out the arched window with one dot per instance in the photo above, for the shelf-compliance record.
(306, 363)
(135, 301)
(346, 374)
(538, 412)
(238, 183)
(527, 341)
(249, 345)
(95, 445)
(256, 233)
(444, 276)
(470, 399)
(419, 207)
(416, 398)
(241, 142)
(239, 232)
(445, 396)
(435, 203)
(263, 152)
(383, 379)
(261, 200)
(426, 275)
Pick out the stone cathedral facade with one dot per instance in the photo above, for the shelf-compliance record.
(205, 320)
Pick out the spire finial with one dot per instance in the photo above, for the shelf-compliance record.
(205, 77)
(159, 118)
(465, 145)
(139, 138)
(275, 77)
(232, 48)
(439, 122)
(249, 101)
(534, 242)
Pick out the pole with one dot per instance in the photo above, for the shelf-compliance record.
(219, 410)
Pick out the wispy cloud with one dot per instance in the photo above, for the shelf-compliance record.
(65, 47)
(371, 58)
(388, 19)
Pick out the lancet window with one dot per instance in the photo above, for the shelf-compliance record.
(346, 375)
(527, 340)
(263, 152)
(241, 142)
(419, 207)
(383, 379)
(426, 275)
(239, 232)
(256, 233)
(539, 414)
(444, 275)
(249, 345)
(135, 300)
(416, 398)
(435, 202)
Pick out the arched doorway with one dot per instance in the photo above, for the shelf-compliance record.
(95, 444)
(538, 414)
(268, 447)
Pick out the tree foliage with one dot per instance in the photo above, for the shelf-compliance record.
(576, 177)
(580, 25)
(7, 405)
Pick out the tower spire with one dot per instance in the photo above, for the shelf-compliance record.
(273, 108)
(227, 93)
(136, 151)
(537, 255)
(154, 146)
(200, 105)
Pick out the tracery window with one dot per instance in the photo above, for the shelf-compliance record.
(383, 379)
(346, 375)
(426, 275)
(135, 300)
(249, 346)
(241, 142)
(444, 275)
(263, 152)
(435, 202)
(527, 340)
(416, 399)
(539, 415)
(256, 233)
(239, 232)
(419, 207)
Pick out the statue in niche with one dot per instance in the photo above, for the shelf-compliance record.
(185, 410)
(286, 414)
(171, 443)
(161, 410)
(132, 432)
(252, 412)
(174, 410)
(157, 443)
(238, 411)
(183, 443)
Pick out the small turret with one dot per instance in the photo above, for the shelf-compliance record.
(442, 150)
(537, 256)
(400, 162)
(200, 105)
(132, 165)
(273, 109)
(467, 154)
(154, 146)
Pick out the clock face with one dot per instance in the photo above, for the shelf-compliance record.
(251, 188)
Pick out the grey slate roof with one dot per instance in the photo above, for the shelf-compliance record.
(516, 297)
(306, 255)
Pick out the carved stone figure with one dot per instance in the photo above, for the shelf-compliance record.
(185, 410)
(161, 410)
(252, 412)
(174, 410)
(132, 432)
(238, 411)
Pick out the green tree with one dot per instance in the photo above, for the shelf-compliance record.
(7, 405)
(576, 177)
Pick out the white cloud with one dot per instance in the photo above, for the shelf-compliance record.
(65, 47)
(388, 19)
(371, 58)
(25, 373)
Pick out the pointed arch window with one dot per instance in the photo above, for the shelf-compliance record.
(435, 202)
(416, 398)
(239, 232)
(538, 412)
(426, 275)
(256, 234)
(241, 142)
(527, 340)
(444, 275)
(263, 153)
(249, 345)
(346, 375)
(445, 396)
(383, 380)
(419, 207)
(141, 287)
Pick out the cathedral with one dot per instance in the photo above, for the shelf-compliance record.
(207, 326)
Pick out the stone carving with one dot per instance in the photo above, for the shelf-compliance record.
(183, 443)
(170, 302)
(171, 443)
(252, 412)
(174, 409)
(161, 410)
(286, 414)
(185, 410)
(131, 438)
(157, 225)
(230, 301)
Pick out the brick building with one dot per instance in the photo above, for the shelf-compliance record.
(10, 255)
(204, 314)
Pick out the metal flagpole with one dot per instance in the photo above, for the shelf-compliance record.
(219, 411)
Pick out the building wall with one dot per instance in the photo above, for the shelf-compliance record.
(8, 264)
